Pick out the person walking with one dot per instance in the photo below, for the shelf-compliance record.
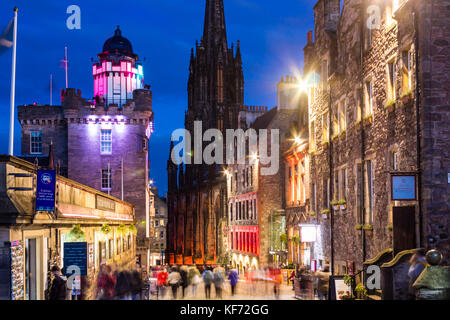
(123, 287)
(136, 285)
(208, 279)
(161, 283)
(174, 281)
(105, 284)
(58, 288)
(219, 278)
(323, 282)
(184, 280)
(418, 264)
(233, 276)
(194, 279)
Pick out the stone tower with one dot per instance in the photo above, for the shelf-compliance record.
(215, 97)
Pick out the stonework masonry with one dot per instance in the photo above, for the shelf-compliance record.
(363, 125)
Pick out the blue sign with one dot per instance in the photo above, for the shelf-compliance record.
(75, 255)
(403, 187)
(45, 190)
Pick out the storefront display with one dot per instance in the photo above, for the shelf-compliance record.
(17, 270)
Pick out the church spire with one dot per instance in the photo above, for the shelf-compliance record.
(214, 32)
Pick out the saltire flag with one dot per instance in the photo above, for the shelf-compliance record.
(6, 39)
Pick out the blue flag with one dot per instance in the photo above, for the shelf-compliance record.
(6, 39)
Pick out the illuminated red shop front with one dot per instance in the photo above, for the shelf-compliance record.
(244, 243)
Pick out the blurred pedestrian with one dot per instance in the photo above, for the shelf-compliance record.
(208, 279)
(123, 288)
(219, 278)
(184, 280)
(174, 281)
(136, 285)
(323, 282)
(105, 284)
(58, 288)
(161, 283)
(418, 264)
(194, 279)
(233, 276)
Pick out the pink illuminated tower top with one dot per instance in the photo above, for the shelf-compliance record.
(117, 73)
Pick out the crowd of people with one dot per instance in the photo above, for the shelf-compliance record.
(183, 281)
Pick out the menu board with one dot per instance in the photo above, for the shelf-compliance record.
(17, 270)
(75, 254)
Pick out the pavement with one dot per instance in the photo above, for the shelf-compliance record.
(244, 291)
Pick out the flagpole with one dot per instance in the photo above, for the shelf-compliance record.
(51, 89)
(65, 60)
(13, 87)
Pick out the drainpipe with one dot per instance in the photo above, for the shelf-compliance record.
(330, 158)
(419, 146)
(361, 97)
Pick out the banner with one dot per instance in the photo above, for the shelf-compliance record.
(45, 190)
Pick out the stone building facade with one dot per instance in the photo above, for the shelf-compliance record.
(101, 143)
(158, 222)
(378, 103)
(31, 242)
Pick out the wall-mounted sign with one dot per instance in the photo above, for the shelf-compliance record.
(76, 254)
(45, 190)
(403, 187)
(105, 203)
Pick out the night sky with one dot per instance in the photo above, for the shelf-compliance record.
(272, 35)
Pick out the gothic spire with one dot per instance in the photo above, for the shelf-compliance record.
(214, 32)
(238, 53)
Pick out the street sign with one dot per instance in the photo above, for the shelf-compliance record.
(45, 190)
(75, 254)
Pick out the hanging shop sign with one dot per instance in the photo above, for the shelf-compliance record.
(45, 191)
(17, 270)
(76, 254)
(403, 187)
(308, 234)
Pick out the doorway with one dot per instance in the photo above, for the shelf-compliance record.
(32, 269)
(404, 228)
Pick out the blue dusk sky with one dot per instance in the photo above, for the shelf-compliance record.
(272, 35)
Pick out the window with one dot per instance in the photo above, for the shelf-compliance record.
(358, 105)
(220, 85)
(342, 117)
(391, 80)
(368, 107)
(369, 192)
(314, 198)
(231, 212)
(325, 131)
(161, 235)
(358, 191)
(106, 179)
(406, 71)
(312, 135)
(156, 223)
(394, 160)
(326, 193)
(344, 184)
(106, 141)
(36, 142)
